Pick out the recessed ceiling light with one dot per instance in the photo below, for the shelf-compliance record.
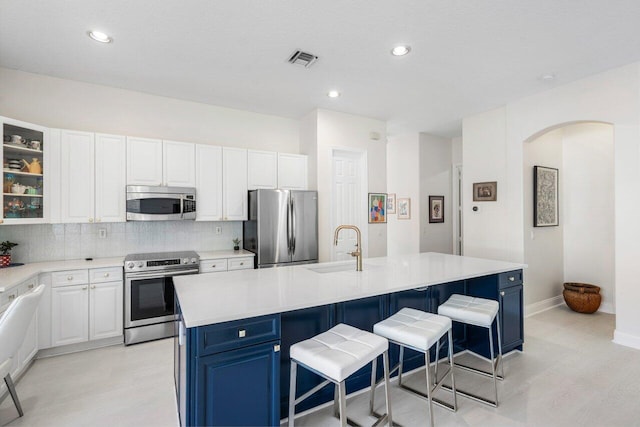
(400, 50)
(99, 36)
(547, 77)
(333, 94)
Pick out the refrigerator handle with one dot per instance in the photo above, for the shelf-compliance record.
(289, 227)
(293, 227)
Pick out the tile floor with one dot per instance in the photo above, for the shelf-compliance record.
(570, 374)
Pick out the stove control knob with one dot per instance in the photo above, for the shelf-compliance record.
(185, 260)
(193, 260)
(130, 264)
(140, 265)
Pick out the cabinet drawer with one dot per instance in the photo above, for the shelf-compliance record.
(8, 296)
(509, 278)
(240, 263)
(109, 274)
(27, 286)
(238, 333)
(69, 277)
(213, 265)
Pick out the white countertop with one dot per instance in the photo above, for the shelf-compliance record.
(13, 276)
(215, 298)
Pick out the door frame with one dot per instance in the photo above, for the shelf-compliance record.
(364, 189)
(456, 209)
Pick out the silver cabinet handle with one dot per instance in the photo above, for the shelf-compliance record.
(106, 274)
(213, 266)
(242, 333)
(93, 286)
(12, 297)
(90, 219)
(69, 277)
(242, 263)
(31, 286)
(512, 279)
(502, 293)
(276, 348)
(84, 288)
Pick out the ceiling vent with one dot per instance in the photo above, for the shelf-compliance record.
(303, 58)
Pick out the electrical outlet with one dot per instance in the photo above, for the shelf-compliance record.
(218, 230)
(102, 233)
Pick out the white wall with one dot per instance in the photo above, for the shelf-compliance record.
(543, 246)
(67, 104)
(403, 179)
(336, 130)
(588, 202)
(435, 180)
(610, 97)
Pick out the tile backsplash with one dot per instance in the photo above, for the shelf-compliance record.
(50, 242)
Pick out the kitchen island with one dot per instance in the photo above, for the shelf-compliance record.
(232, 350)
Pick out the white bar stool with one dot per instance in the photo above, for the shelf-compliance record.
(335, 355)
(420, 331)
(477, 312)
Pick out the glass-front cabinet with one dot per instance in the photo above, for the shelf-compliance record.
(24, 172)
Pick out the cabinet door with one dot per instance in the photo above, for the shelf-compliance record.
(208, 183)
(178, 164)
(105, 310)
(77, 176)
(144, 161)
(292, 171)
(511, 315)
(234, 181)
(69, 314)
(262, 167)
(239, 387)
(111, 178)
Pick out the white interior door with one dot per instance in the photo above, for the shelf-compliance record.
(348, 201)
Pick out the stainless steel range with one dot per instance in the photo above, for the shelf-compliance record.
(148, 293)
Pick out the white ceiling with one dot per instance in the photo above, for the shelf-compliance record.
(467, 56)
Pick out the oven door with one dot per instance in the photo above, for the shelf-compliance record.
(154, 206)
(149, 298)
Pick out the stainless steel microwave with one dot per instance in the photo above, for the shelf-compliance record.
(160, 203)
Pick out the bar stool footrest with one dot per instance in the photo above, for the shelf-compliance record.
(472, 396)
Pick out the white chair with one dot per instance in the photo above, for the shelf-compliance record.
(420, 331)
(13, 327)
(335, 355)
(477, 312)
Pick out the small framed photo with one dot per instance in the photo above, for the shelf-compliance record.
(485, 191)
(436, 209)
(545, 197)
(377, 208)
(391, 203)
(404, 208)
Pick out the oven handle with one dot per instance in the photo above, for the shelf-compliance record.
(154, 274)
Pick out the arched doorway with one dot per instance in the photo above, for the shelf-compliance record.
(581, 247)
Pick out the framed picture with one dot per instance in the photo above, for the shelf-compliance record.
(391, 203)
(377, 208)
(404, 208)
(545, 197)
(485, 191)
(436, 209)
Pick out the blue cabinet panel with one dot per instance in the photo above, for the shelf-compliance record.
(511, 313)
(238, 387)
(298, 326)
(238, 333)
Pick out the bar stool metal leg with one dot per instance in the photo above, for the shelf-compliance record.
(493, 364)
(292, 392)
(430, 391)
(12, 391)
(500, 345)
(387, 387)
(343, 403)
(453, 379)
(372, 395)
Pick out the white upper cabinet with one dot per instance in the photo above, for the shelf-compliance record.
(156, 162)
(178, 164)
(111, 178)
(208, 183)
(262, 169)
(77, 176)
(144, 161)
(292, 171)
(92, 181)
(234, 181)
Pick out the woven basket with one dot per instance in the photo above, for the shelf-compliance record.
(582, 297)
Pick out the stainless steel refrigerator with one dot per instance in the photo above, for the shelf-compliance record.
(282, 228)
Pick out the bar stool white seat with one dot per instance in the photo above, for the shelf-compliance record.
(420, 331)
(477, 312)
(335, 355)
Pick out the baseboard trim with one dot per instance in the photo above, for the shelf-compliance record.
(626, 340)
(540, 306)
(83, 346)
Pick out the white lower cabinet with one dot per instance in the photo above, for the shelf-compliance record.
(214, 265)
(87, 311)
